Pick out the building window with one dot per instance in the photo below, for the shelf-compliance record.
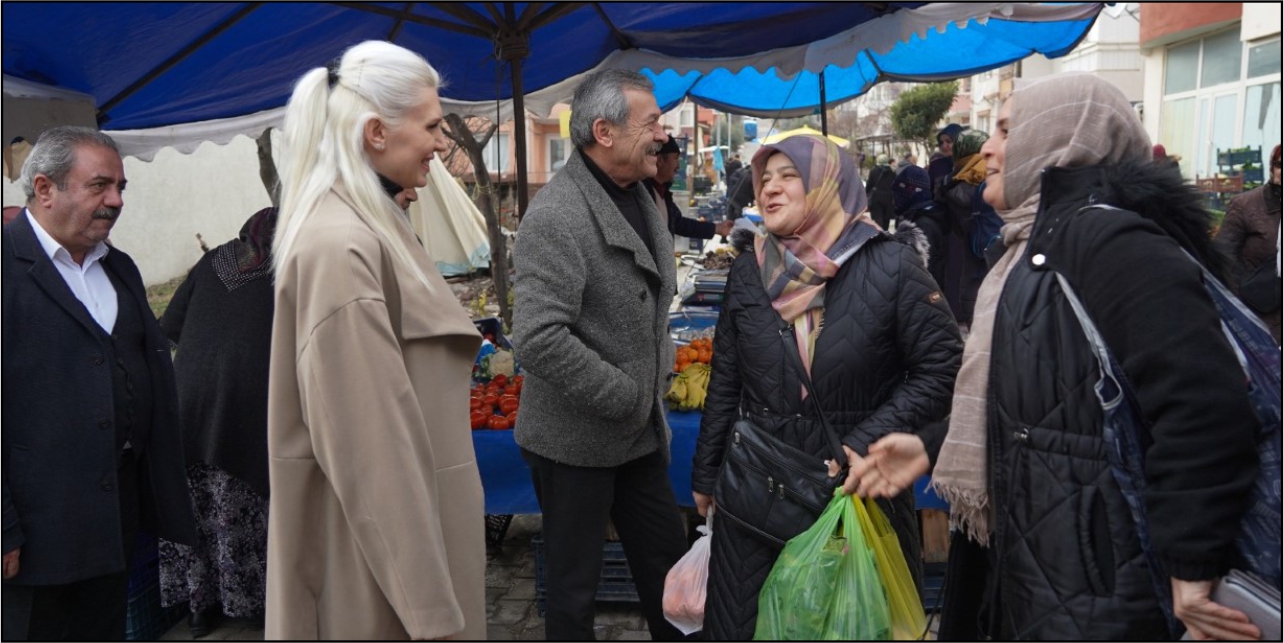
(1264, 59)
(1219, 93)
(496, 153)
(1262, 116)
(557, 155)
(1222, 58)
(1182, 71)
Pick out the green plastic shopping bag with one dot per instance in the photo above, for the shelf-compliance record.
(905, 607)
(825, 586)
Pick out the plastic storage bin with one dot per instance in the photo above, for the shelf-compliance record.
(615, 585)
(145, 619)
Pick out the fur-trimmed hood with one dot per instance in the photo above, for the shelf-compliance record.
(1152, 190)
(906, 233)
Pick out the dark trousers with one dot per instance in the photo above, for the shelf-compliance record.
(89, 610)
(963, 616)
(576, 502)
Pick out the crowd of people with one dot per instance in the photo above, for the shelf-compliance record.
(306, 455)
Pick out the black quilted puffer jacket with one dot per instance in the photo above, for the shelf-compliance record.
(1065, 559)
(885, 360)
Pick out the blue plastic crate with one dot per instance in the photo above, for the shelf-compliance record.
(146, 568)
(933, 586)
(145, 619)
(614, 586)
(687, 324)
(925, 498)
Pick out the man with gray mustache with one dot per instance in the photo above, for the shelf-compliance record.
(593, 288)
(91, 442)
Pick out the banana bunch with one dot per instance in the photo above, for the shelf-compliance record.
(687, 391)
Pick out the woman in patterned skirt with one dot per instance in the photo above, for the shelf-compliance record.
(221, 321)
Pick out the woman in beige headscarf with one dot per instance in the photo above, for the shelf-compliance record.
(1024, 466)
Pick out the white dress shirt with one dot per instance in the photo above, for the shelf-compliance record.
(88, 282)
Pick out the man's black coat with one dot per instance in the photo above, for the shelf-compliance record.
(59, 447)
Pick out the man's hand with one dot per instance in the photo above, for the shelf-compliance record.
(894, 463)
(11, 563)
(1206, 620)
(724, 227)
(704, 503)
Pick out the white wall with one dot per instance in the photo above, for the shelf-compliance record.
(1260, 19)
(211, 192)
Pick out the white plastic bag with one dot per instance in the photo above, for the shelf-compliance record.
(685, 585)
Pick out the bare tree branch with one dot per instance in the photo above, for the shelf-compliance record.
(461, 133)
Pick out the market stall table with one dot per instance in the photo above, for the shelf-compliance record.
(507, 480)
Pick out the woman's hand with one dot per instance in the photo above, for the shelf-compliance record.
(893, 464)
(1206, 620)
(704, 503)
(852, 481)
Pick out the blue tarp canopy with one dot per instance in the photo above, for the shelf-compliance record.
(954, 52)
(176, 74)
(156, 64)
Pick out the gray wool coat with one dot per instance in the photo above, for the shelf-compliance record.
(590, 325)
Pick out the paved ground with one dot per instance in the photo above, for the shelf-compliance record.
(510, 598)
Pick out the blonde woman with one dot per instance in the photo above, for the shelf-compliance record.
(375, 529)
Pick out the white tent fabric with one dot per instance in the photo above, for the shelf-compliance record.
(31, 108)
(143, 144)
(451, 227)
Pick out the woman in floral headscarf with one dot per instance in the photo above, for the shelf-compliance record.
(872, 330)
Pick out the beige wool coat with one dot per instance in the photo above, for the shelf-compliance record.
(375, 529)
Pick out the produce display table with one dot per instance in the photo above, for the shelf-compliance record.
(507, 480)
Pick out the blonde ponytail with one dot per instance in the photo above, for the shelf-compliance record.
(324, 142)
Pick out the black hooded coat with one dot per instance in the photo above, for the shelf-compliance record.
(1065, 560)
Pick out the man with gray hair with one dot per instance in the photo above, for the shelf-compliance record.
(594, 283)
(92, 452)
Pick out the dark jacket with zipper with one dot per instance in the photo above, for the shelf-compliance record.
(1065, 559)
(885, 361)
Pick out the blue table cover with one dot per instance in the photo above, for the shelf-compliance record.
(507, 480)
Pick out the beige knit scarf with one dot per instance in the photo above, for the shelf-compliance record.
(1068, 120)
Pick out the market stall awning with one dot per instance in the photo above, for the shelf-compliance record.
(927, 44)
(780, 136)
(177, 74)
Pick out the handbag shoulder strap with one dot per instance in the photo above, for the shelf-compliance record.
(831, 436)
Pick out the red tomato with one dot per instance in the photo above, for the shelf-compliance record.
(497, 422)
(508, 404)
(489, 400)
(512, 419)
(479, 419)
(501, 380)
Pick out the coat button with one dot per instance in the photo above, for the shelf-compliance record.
(1038, 260)
(104, 424)
(96, 360)
(107, 486)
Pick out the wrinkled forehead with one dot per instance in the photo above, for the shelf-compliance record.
(642, 105)
(96, 161)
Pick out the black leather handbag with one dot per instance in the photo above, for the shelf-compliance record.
(770, 488)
